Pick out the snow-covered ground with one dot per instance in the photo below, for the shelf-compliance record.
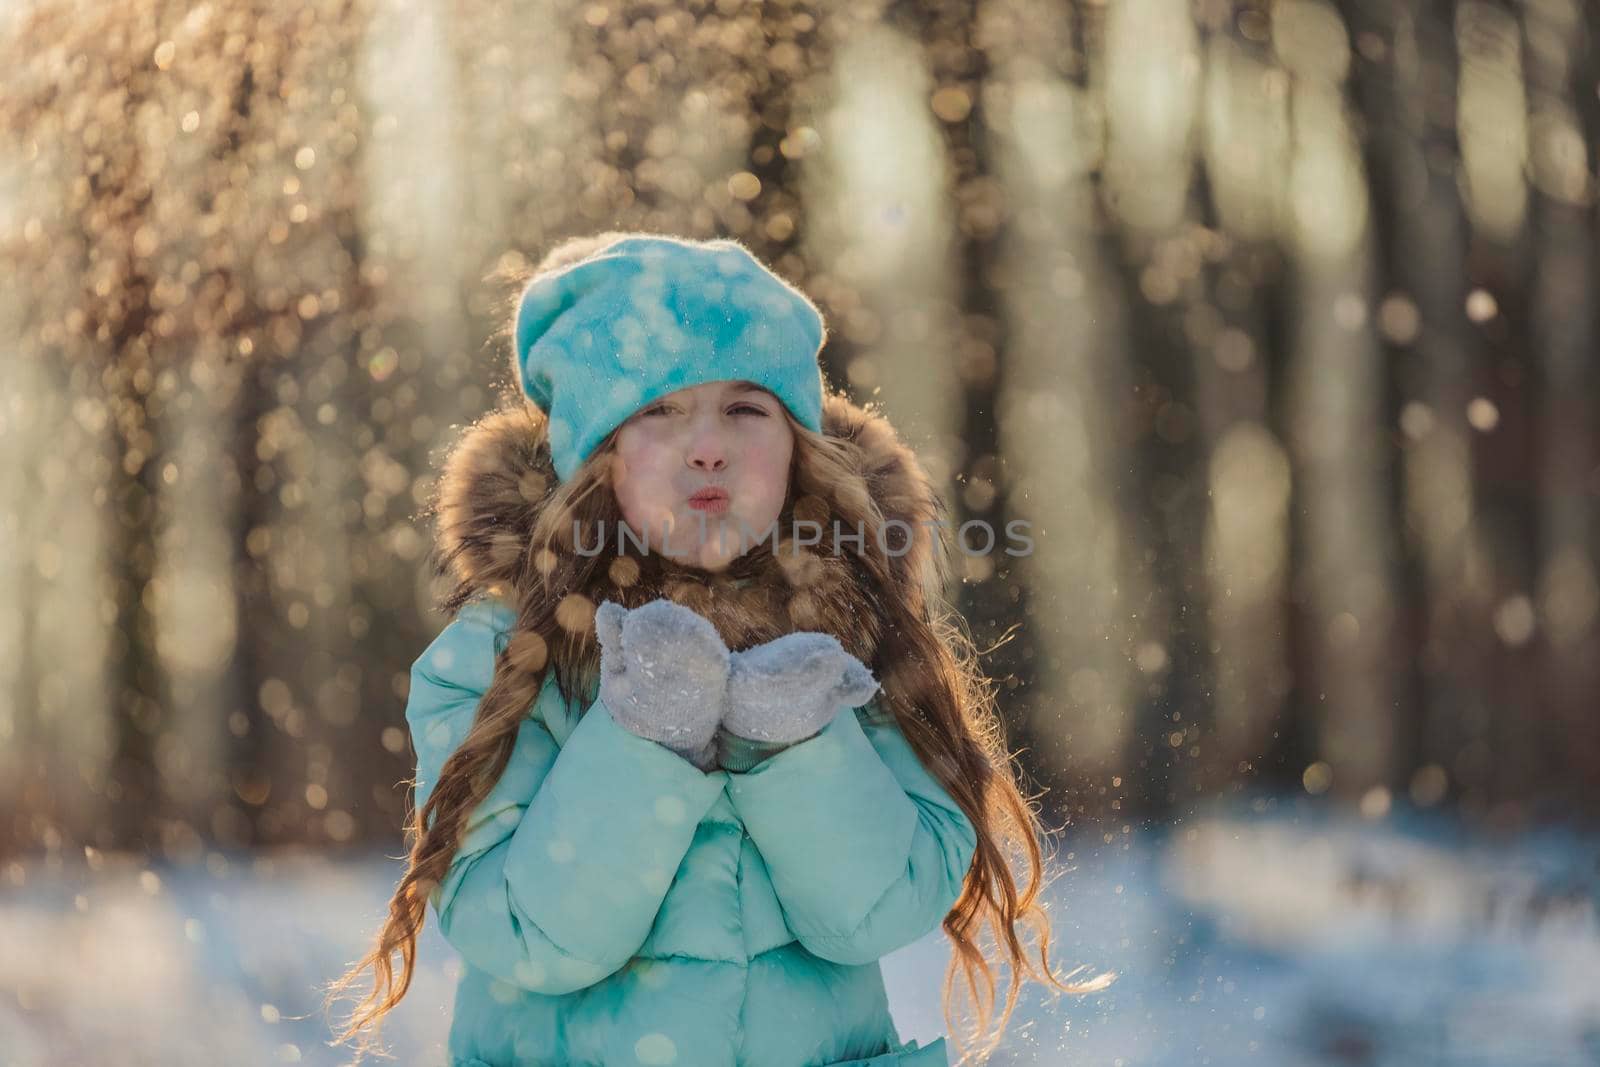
(1270, 933)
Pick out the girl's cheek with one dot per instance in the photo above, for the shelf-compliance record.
(645, 464)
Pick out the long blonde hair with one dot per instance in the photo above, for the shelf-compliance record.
(938, 695)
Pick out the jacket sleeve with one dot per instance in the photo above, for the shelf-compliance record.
(562, 868)
(866, 851)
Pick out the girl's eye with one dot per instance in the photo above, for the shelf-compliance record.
(661, 409)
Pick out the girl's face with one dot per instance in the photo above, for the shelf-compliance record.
(731, 436)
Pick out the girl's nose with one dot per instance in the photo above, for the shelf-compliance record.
(708, 448)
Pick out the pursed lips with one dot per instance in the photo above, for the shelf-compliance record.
(709, 498)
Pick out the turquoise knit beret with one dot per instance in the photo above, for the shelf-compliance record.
(648, 315)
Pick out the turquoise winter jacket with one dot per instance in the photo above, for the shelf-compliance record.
(613, 905)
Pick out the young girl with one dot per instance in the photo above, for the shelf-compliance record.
(678, 791)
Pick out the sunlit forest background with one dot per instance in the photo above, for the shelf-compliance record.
(1276, 320)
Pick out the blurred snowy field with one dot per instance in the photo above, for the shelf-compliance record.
(1265, 933)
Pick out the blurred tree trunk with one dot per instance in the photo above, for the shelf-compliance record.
(247, 396)
(251, 732)
(1166, 491)
(135, 790)
(1292, 745)
(1405, 73)
(347, 500)
(988, 599)
(1238, 193)
(1498, 298)
(1239, 359)
(790, 75)
(30, 382)
(353, 697)
(121, 321)
(786, 71)
(1584, 756)
(1058, 419)
(1391, 159)
(297, 771)
(1564, 104)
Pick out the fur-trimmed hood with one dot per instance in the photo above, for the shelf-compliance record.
(498, 487)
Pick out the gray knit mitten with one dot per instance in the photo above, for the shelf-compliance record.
(663, 675)
(788, 689)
